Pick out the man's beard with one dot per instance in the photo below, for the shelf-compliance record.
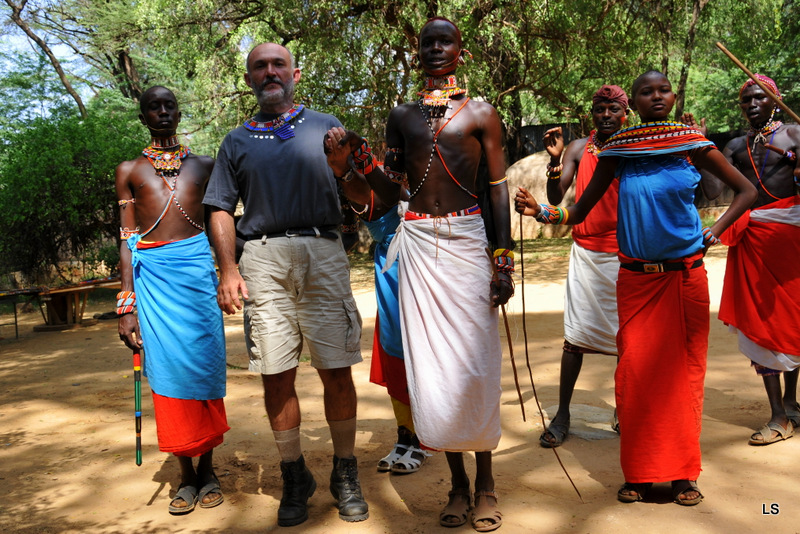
(274, 96)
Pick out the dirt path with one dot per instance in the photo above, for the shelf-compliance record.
(67, 463)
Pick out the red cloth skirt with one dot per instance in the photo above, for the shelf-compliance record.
(663, 344)
(188, 427)
(388, 371)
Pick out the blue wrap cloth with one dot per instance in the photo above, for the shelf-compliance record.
(180, 322)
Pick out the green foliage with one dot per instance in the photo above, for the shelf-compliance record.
(57, 198)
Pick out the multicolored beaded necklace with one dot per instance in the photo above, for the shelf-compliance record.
(279, 126)
(438, 90)
(760, 136)
(591, 144)
(167, 164)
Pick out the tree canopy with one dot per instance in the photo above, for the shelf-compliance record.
(536, 61)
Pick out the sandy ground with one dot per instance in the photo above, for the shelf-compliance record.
(67, 442)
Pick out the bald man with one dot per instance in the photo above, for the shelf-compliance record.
(293, 276)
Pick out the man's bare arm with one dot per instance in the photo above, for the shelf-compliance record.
(231, 283)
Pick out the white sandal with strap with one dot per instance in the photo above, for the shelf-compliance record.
(387, 462)
(409, 463)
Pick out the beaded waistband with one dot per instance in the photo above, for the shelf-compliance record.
(472, 210)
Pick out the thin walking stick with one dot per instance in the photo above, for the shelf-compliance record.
(528, 360)
(772, 96)
(137, 402)
(508, 338)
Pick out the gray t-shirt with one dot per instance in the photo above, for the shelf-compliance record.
(282, 183)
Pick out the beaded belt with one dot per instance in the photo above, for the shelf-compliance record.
(467, 211)
(647, 267)
(314, 231)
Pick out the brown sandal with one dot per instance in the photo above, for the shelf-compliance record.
(486, 512)
(456, 508)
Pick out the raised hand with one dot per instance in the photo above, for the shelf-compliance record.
(689, 120)
(554, 142)
(339, 144)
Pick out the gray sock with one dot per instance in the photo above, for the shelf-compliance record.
(288, 442)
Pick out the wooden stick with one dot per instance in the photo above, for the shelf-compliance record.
(772, 96)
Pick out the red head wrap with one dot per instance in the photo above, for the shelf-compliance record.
(611, 93)
(763, 79)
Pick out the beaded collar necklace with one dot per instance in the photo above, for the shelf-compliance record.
(279, 126)
(167, 163)
(760, 136)
(438, 90)
(167, 143)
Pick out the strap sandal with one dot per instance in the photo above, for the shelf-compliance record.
(212, 486)
(486, 517)
(630, 492)
(765, 435)
(794, 416)
(387, 462)
(411, 461)
(457, 509)
(680, 487)
(187, 494)
(554, 435)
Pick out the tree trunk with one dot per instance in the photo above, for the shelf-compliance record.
(688, 48)
(16, 17)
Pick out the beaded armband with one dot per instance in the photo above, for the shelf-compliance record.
(363, 159)
(552, 214)
(126, 302)
(126, 201)
(709, 239)
(500, 181)
(504, 261)
(394, 165)
(125, 233)
(791, 156)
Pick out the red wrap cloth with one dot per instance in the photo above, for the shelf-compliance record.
(663, 343)
(598, 232)
(188, 427)
(761, 292)
(388, 371)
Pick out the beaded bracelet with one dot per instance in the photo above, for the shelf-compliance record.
(500, 181)
(709, 239)
(552, 171)
(552, 214)
(556, 176)
(362, 158)
(126, 302)
(789, 155)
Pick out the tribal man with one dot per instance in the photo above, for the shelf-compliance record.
(165, 258)
(590, 303)
(759, 297)
(448, 295)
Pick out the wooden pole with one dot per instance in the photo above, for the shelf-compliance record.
(772, 96)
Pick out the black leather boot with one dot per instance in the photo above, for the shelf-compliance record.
(346, 489)
(298, 487)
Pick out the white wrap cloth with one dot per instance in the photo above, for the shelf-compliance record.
(449, 327)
